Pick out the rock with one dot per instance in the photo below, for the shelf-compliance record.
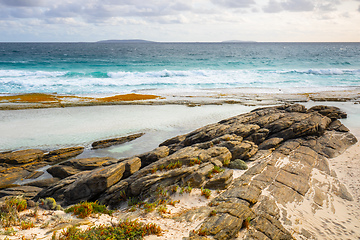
(167, 178)
(60, 171)
(10, 175)
(259, 136)
(220, 181)
(173, 140)
(25, 191)
(270, 227)
(75, 166)
(238, 164)
(57, 189)
(332, 143)
(132, 165)
(94, 182)
(340, 190)
(84, 164)
(22, 156)
(84, 185)
(242, 150)
(270, 143)
(63, 154)
(304, 125)
(115, 141)
(34, 175)
(153, 156)
(228, 220)
(44, 183)
(197, 178)
(330, 112)
(337, 126)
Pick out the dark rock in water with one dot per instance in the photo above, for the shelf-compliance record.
(238, 164)
(115, 141)
(26, 191)
(63, 154)
(21, 157)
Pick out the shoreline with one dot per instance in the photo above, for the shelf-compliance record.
(325, 219)
(243, 96)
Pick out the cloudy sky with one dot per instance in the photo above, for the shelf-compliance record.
(180, 20)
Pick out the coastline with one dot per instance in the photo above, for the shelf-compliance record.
(344, 165)
(191, 98)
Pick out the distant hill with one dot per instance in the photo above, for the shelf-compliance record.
(125, 41)
(238, 41)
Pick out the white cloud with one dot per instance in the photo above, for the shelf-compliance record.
(234, 3)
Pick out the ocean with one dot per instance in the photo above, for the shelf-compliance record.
(115, 68)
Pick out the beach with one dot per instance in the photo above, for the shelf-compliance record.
(52, 128)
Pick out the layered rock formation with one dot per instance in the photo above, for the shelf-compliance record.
(288, 147)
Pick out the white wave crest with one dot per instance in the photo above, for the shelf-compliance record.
(23, 73)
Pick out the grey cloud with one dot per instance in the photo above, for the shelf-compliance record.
(275, 6)
(298, 5)
(23, 3)
(234, 3)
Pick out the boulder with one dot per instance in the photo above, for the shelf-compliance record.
(94, 183)
(153, 156)
(115, 141)
(132, 165)
(238, 164)
(220, 181)
(197, 178)
(60, 171)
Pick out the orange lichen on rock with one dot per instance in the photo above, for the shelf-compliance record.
(127, 97)
(30, 98)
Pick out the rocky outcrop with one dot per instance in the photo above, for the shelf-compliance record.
(287, 148)
(63, 154)
(71, 167)
(115, 141)
(27, 192)
(21, 157)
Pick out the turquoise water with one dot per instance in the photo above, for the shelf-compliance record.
(106, 68)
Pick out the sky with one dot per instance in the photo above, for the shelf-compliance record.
(180, 21)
